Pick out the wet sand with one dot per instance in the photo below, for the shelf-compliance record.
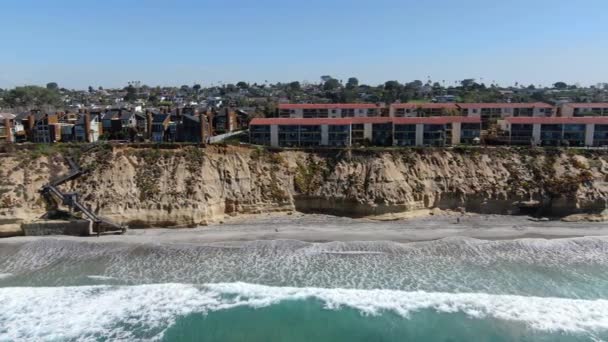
(322, 228)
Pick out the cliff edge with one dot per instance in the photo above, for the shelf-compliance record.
(189, 186)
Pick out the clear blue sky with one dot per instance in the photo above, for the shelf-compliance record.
(109, 42)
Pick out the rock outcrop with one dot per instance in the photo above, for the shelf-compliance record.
(191, 186)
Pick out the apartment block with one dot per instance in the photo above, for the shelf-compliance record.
(556, 131)
(408, 109)
(332, 110)
(584, 109)
(490, 113)
(377, 131)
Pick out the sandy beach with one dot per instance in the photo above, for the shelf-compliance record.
(322, 228)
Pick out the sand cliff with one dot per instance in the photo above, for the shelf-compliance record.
(192, 186)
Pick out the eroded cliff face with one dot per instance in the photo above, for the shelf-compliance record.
(192, 186)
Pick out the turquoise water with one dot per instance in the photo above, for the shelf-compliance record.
(447, 290)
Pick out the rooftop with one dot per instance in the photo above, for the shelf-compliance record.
(7, 116)
(505, 105)
(436, 120)
(559, 120)
(587, 105)
(328, 106)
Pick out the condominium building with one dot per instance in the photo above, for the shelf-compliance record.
(584, 109)
(378, 131)
(555, 131)
(423, 109)
(332, 110)
(490, 113)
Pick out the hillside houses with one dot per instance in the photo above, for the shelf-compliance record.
(325, 124)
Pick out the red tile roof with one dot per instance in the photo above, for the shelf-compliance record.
(328, 106)
(318, 121)
(587, 105)
(603, 120)
(438, 106)
(407, 105)
(505, 105)
(438, 120)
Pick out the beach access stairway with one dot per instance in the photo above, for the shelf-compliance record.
(70, 199)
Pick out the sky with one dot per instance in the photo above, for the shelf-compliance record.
(108, 43)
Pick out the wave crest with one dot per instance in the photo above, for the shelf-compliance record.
(91, 312)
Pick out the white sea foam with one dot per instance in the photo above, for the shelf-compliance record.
(5, 275)
(90, 312)
(99, 277)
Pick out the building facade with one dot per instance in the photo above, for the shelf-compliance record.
(332, 110)
(583, 109)
(490, 113)
(408, 109)
(557, 131)
(377, 131)
(7, 128)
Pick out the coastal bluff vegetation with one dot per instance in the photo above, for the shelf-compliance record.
(187, 186)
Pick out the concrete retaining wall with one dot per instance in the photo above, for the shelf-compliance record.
(55, 227)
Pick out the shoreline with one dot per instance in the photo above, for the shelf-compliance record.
(323, 228)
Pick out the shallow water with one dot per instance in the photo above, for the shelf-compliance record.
(454, 289)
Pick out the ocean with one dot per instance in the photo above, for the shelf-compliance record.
(452, 289)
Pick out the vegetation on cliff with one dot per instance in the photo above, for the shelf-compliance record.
(193, 185)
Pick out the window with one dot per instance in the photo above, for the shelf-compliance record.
(358, 136)
(468, 132)
(405, 135)
(288, 135)
(600, 135)
(382, 134)
(574, 134)
(348, 113)
(310, 135)
(339, 135)
(551, 134)
(433, 135)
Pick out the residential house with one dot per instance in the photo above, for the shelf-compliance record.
(110, 122)
(88, 128)
(42, 128)
(128, 121)
(227, 120)
(159, 127)
(140, 125)
(193, 128)
(7, 128)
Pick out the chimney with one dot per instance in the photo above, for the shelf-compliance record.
(203, 125)
(87, 128)
(149, 124)
(229, 120)
(9, 130)
(30, 127)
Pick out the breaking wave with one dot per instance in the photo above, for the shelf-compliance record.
(118, 312)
